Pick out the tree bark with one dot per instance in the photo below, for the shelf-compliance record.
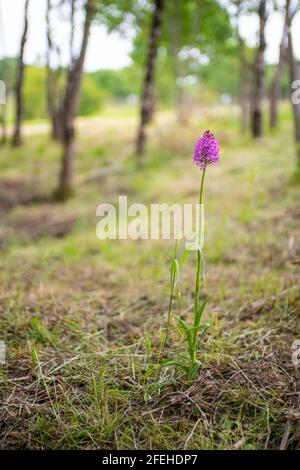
(259, 74)
(53, 94)
(294, 75)
(275, 89)
(3, 125)
(244, 92)
(17, 137)
(3, 117)
(72, 26)
(175, 32)
(244, 74)
(147, 105)
(69, 110)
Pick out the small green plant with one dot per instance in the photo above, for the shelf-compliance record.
(206, 152)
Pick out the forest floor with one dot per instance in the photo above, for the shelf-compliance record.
(82, 318)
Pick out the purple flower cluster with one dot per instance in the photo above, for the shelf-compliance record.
(206, 150)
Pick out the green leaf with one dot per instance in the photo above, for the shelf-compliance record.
(173, 362)
(183, 257)
(188, 334)
(193, 370)
(199, 314)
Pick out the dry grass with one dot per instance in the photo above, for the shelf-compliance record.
(82, 319)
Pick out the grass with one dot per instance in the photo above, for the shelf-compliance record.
(82, 319)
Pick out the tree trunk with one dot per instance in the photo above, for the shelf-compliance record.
(275, 89)
(69, 110)
(53, 96)
(244, 92)
(294, 75)
(72, 26)
(3, 106)
(259, 74)
(17, 138)
(3, 125)
(244, 74)
(147, 106)
(175, 32)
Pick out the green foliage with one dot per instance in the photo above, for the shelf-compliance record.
(198, 57)
(192, 30)
(8, 69)
(35, 105)
(194, 33)
(285, 80)
(221, 75)
(97, 87)
(117, 83)
(92, 96)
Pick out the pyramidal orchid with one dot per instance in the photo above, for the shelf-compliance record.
(206, 152)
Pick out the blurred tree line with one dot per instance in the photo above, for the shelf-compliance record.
(184, 52)
(102, 87)
(105, 86)
(97, 88)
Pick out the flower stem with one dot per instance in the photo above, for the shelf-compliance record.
(201, 187)
(198, 279)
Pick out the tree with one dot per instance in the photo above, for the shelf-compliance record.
(72, 25)
(294, 76)
(53, 78)
(275, 88)
(259, 73)
(17, 138)
(147, 103)
(191, 31)
(69, 109)
(176, 31)
(245, 72)
(4, 87)
(4, 95)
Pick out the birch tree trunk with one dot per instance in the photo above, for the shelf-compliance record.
(3, 117)
(244, 73)
(244, 92)
(275, 89)
(294, 75)
(259, 74)
(17, 137)
(69, 110)
(72, 26)
(54, 98)
(147, 105)
(176, 33)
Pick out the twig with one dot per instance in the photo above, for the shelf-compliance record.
(191, 434)
(285, 437)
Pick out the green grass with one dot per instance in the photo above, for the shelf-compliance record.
(82, 319)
